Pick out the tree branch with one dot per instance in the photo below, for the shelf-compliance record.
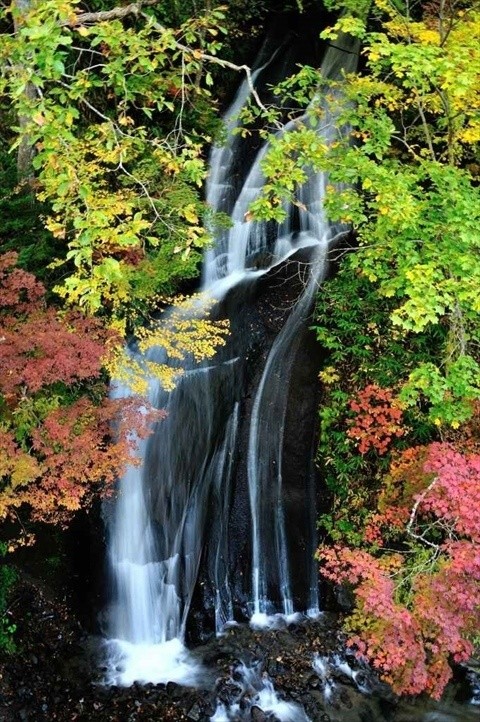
(413, 514)
(114, 14)
(26, 150)
(137, 9)
(200, 55)
(426, 129)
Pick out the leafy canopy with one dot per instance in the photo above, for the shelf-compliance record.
(404, 174)
(117, 109)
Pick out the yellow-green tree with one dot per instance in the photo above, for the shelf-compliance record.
(113, 110)
(408, 165)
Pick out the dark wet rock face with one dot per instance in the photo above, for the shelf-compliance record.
(55, 677)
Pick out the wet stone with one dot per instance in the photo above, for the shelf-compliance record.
(210, 707)
(195, 712)
(274, 668)
(258, 715)
(313, 681)
(345, 698)
(361, 680)
(174, 690)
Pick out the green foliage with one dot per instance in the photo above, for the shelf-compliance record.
(7, 580)
(355, 326)
(21, 226)
(404, 177)
(119, 112)
(403, 313)
(111, 115)
(351, 6)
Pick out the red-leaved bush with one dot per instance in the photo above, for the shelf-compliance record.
(416, 612)
(38, 346)
(57, 445)
(377, 419)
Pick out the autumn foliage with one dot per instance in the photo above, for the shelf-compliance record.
(56, 446)
(417, 608)
(377, 419)
(40, 347)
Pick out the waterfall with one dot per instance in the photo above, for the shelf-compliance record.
(179, 496)
(268, 416)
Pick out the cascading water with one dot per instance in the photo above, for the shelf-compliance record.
(265, 449)
(255, 690)
(157, 525)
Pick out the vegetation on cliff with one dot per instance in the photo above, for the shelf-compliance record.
(399, 416)
(399, 441)
(109, 110)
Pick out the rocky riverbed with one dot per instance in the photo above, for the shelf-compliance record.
(292, 672)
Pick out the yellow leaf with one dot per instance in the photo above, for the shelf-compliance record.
(190, 214)
(38, 118)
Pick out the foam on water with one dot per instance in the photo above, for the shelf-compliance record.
(156, 663)
(268, 701)
(327, 666)
(255, 689)
(259, 620)
(224, 714)
(320, 665)
(322, 668)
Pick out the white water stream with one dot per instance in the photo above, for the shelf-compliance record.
(267, 424)
(255, 689)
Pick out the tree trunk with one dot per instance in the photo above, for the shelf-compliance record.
(25, 149)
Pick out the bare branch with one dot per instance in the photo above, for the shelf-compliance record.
(413, 514)
(114, 14)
